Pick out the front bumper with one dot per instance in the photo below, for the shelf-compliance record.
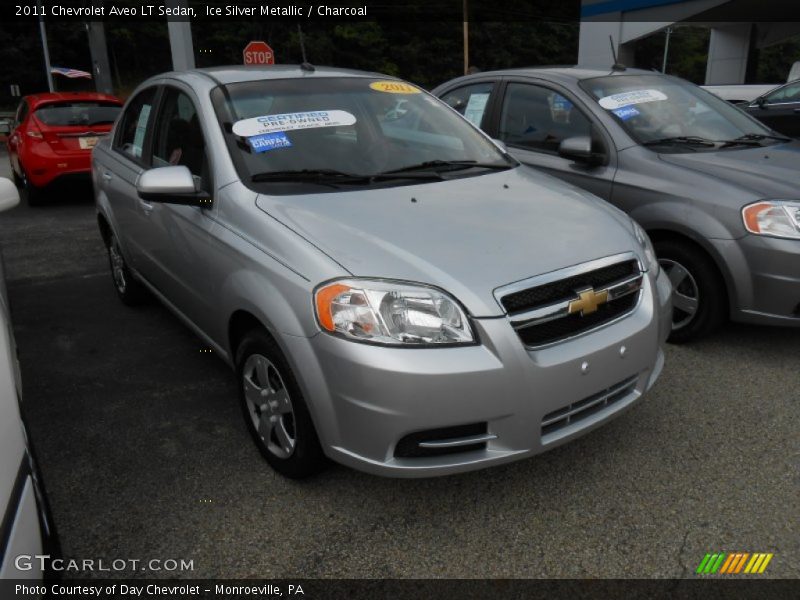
(765, 273)
(364, 399)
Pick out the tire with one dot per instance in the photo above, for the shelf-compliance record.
(699, 297)
(32, 194)
(281, 424)
(129, 290)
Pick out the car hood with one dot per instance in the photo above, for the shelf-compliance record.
(468, 236)
(768, 172)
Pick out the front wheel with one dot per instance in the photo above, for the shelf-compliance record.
(274, 409)
(699, 303)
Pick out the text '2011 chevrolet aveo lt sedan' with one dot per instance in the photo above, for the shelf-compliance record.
(393, 290)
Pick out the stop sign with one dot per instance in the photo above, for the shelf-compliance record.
(258, 53)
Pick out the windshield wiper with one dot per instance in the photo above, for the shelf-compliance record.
(322, 175)
(688, 140)
(449, 165)
(332, 176)
(753, 139)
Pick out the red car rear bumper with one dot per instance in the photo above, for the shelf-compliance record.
(43, 166)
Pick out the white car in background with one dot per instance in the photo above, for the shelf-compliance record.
(26, 528)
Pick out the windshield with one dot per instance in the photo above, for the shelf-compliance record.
(654, 108)
(78, 113)
(347, 131)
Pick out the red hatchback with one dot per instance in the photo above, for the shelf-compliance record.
(53, 135)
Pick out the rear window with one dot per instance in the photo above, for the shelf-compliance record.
(78, 113)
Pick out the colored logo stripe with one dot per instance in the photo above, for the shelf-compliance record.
(758, 563)
(710, 563)
(734, 563)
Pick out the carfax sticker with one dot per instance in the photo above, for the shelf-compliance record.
(632, 97)
(292, 121)
(626, 112)
(394, 87)
(269, 141)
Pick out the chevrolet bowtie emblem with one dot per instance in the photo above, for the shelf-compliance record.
(587, 302)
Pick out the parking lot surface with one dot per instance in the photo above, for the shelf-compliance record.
(145, 454)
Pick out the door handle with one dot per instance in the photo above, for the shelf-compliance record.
(146, 207)
(107, 175)
(797, 110)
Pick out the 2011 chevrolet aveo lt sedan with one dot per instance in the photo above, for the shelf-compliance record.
(393, 290)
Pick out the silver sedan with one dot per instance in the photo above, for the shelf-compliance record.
(393, 290)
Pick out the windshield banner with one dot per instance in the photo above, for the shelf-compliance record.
(292, 121)
(632, 97)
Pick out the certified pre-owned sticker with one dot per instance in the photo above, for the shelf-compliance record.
(632, 97)
(269, 141)
(291, 121)
(394, 87)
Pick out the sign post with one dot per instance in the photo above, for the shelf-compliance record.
(258, 53)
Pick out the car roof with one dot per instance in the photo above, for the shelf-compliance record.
(562, 73)
(50, 97)
(240, 73)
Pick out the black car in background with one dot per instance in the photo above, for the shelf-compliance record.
(779, 109)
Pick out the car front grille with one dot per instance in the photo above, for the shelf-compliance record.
(542, 295)
(579, 411)
(584, 298)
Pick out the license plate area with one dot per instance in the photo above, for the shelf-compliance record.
(87, 143)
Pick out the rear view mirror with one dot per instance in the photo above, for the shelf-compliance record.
(9, 195)
(171, 185)
(578, 149)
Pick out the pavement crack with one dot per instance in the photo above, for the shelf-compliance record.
(681, 564)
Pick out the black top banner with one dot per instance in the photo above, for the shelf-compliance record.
(410, 11)
(304, 10)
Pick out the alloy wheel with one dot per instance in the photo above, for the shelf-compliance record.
(269, 405)
(685, 293)
(117, 266)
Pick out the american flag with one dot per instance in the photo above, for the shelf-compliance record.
(71, 73)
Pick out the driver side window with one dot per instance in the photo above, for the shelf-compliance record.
(538, 118)
(178, 137)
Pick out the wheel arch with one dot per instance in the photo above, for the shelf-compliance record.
(659, 234)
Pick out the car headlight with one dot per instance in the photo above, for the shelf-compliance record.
(391, 312)
(778, 218)
(647, 248)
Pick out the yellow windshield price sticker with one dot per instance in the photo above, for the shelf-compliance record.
(394, 87)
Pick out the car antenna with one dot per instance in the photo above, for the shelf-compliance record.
(617, 66)
(305, 65)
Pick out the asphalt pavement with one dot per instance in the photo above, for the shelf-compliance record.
(145, 454)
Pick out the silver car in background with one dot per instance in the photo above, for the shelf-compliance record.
(393, 290)
(26, 527)
(717, 191)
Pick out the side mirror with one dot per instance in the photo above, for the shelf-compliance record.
(5, 127)
(501, 144)
(578, 149)
(171, 185)
(761, 101)
(9, 195)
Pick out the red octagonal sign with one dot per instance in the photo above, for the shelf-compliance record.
(258, 53)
